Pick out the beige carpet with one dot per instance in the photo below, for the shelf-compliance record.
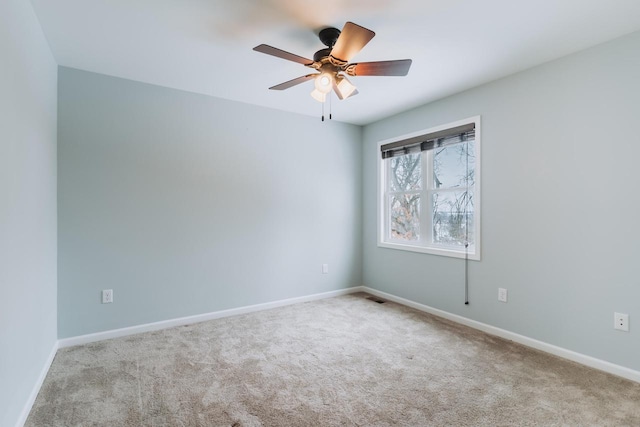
(340, 361)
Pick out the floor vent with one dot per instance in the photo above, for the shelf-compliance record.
(376, 299)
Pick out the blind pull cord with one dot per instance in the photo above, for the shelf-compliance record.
(466, 231)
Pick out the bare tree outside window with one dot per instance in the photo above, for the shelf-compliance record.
(452, 202)
(405, 173)
(450, 194)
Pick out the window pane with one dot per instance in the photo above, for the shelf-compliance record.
(450, 165)
(405, 173)
(404, 217)
(453, 216)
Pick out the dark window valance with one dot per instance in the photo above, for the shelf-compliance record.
(466, 132)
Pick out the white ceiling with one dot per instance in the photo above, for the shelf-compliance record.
(205, 46)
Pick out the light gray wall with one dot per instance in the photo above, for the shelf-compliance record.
(27, 206)
(560, 154)
(186, 204)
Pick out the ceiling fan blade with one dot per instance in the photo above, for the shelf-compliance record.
(352, 39)
(294, 82)
(274, 51)
(380, 68)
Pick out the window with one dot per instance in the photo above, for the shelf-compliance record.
(429, 191)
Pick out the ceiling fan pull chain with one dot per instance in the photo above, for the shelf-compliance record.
(323, 111)
(330, 105)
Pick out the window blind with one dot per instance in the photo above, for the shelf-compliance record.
(466, 132)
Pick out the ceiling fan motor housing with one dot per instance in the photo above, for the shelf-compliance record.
(322, 53)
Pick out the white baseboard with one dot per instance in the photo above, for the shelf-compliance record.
(36, 387)
(583, 359)
(115, 333)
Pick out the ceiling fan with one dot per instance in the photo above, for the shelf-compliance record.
(332, 63)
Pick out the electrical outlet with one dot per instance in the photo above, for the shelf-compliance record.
(502, 295)
(325, 268)
(107, 296)
(621, 321)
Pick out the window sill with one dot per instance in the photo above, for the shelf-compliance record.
(474, 256)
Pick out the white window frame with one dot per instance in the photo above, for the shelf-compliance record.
(473, 252)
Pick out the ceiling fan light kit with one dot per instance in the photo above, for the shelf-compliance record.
(332, 62)
(324, 82)
(343, 87)
(318, 96)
